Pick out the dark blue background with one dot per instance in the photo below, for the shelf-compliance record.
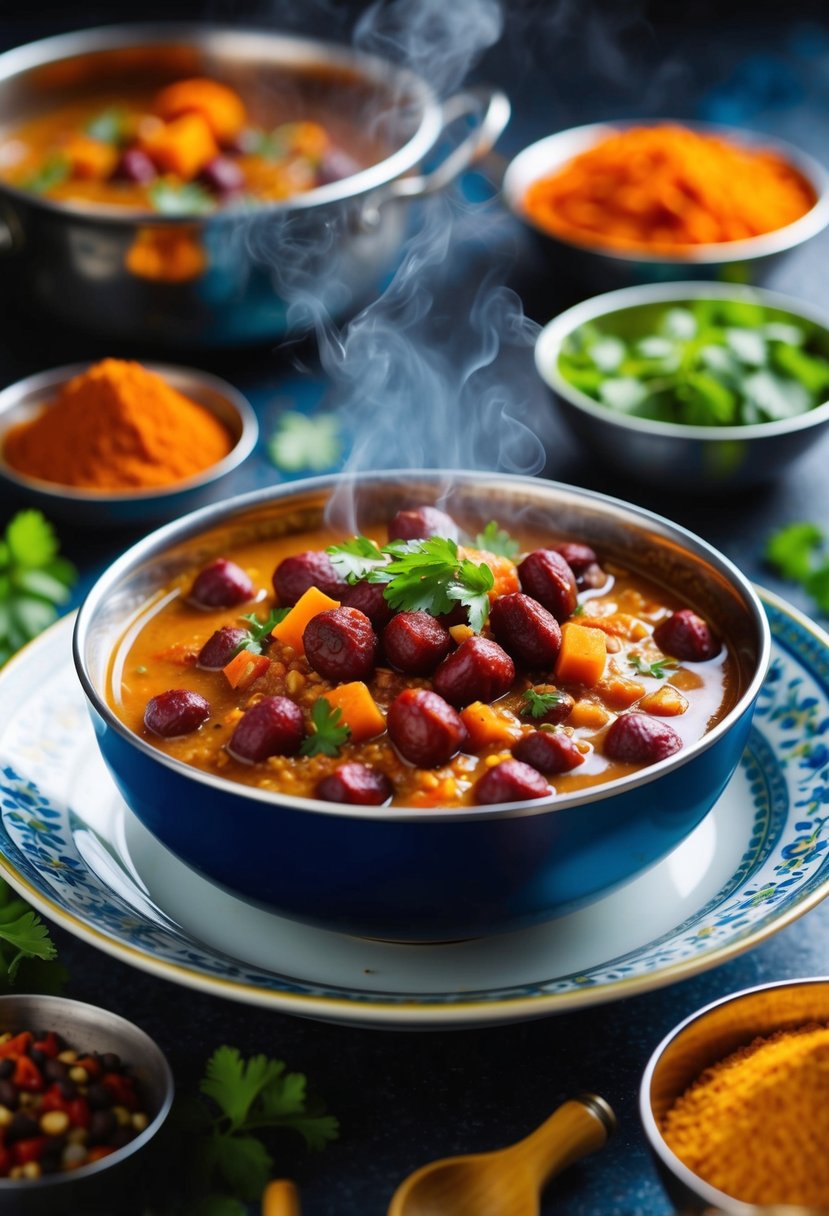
(405, 1098)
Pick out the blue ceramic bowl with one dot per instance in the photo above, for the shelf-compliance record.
(423, 874)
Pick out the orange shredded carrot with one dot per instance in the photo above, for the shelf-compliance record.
(667, 187)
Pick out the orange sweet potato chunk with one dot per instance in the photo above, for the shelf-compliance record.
(290, 629)
(221, 107)
(489, 728)
(582, 657)
(359, 709)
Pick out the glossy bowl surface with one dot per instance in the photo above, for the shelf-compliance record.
(601, 268)
(411, 873)
(708, 1035)
(697, 460)
(98, 1188)
(125, 508)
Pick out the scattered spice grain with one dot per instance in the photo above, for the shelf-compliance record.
(118, 426)
(667, 187)
(756, 1124)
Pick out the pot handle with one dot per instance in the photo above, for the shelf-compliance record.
(492, 109)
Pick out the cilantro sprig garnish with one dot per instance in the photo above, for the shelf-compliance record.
(539, 704)
(252, 1096)
(109, 126)
(34, 580)
(259, 631)
(799, 552)
(657, 670)
(705, 363)
(497, 540)
(427, 575)
(329, 732)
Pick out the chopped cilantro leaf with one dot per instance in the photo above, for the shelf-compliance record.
(496, 540)
(54, 170)
(430, 576)
(329, 731)
(538, 704)
(656, 670)
(354, 559)
(187, 199)
(260, 631)
(34, 580)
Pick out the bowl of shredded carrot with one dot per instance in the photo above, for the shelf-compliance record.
(120, 442)
(733, 1103)
(634, 202)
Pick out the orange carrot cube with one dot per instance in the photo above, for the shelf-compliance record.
(290, 629)
(583, 653)
(488, 727)
(183, 146)
(244, 668)
(360, 712)
(91, 160)
(221, 107)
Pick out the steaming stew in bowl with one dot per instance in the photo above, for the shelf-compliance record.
(188, 148)
(409, 668)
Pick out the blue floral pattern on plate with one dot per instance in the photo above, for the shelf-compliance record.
(70, 856)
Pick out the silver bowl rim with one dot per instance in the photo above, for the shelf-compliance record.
(160, 1065)
(550, 340)
(776, 241)
(44, 382)
(22, 59)
(215, 514)
(720, 1201)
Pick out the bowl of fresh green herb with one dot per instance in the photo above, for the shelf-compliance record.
(700, 387)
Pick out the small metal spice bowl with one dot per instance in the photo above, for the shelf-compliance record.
(101, 1186)
(701, 1040)
(127, 508)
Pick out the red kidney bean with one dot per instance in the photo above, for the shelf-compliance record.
(414, 642)
(560, 710)
(546, 576)
(637, 738)
(356, 784)
(220, 647)
(134, 165)
(294, 575)
(340, 644)
(510, 781)
(369, 598)
(479, 670)
(686, 636)
(424, 728)
(583, 562)
(548, 751)
(525, 629)
(419, 523)
(223, 176)
(175, 712)
(273, 726)
(222, 584)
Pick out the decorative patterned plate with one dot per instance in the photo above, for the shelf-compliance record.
(758, 861)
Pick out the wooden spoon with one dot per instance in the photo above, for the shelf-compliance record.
(507, 1182)
(280, 1198)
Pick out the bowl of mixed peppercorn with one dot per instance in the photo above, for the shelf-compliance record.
(694, 387)
(421, 705)
(83, 1093)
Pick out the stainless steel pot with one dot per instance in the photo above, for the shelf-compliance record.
(246, 276)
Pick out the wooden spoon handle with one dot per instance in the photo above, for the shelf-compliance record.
(280, 1198)
(577, 1127)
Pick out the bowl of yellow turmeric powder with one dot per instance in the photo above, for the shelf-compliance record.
(121, 443)
(735, 1102)
(638, 202)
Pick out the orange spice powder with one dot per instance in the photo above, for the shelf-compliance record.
(117, 426)
(756, 1124)
(666, 188)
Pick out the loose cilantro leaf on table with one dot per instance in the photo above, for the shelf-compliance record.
(255, 1095)
(538, 704)
(34, 580)
(300, 442)
(656, 670)
(710, 363)
(799, 552)
(23, 936)
(329, 731)
(498, 541)
(420, 575)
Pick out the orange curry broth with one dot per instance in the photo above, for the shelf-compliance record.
(159, 651)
